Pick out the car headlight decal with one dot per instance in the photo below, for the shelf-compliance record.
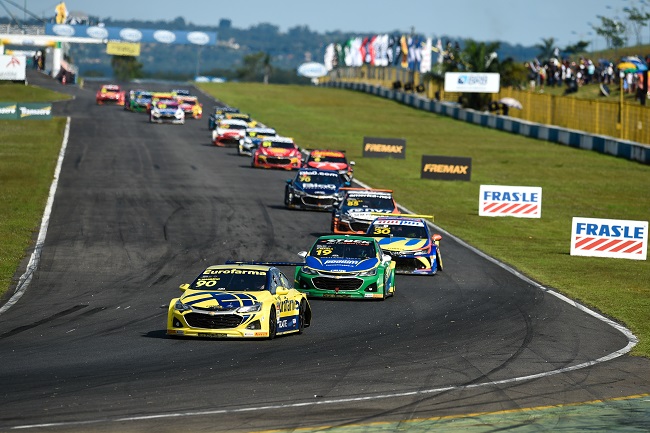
(255, 307)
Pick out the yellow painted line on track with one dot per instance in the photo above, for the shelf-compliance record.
(570, 417)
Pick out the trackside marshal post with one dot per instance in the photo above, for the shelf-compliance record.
(375, 147)
(619, 239)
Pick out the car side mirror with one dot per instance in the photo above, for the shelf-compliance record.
(184, 287)
(288, 180)
(281, 291)
(386, 258)
(352, 163)
(347, 184)
(436, 237)
(302, 254)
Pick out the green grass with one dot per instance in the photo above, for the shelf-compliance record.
(575, 183)
(12, 92)
(28, 153)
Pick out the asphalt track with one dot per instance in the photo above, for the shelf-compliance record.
(142, 208)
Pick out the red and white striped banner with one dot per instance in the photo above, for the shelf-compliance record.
(609, 238)
(515, 201)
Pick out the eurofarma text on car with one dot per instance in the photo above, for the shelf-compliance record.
(238, 301)
(359, 208)
(347, 266)
(314, 189)
(408, 240)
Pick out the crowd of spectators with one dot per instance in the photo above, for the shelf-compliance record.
(576, 73)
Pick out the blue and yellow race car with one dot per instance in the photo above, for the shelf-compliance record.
(410, 243)
(239, 301)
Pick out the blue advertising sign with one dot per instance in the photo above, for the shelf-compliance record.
(127, 34)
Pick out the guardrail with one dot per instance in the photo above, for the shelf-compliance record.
(557, 134)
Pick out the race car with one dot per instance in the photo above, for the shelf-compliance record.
(359, 207)
(229, 132)
(219, 113)
(110, 93)
(253, 138)
(408, 240)
(314, 189)
(277, 152)
(166, 111)
(157, 96)
(347, 266)
(138, 101)
(191, 106)
(334, 160)
(238, 301)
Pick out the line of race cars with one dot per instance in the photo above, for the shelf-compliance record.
(162, 107)
(371, 243)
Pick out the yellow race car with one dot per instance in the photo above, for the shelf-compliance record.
(240, 301)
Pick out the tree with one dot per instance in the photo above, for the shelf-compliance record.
(126, 68)
(638, 19)
(579, 47)
(255, 68)
(546, 49)
(613, 31)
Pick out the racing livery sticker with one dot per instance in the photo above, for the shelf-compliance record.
(621, 239)
(516, 201)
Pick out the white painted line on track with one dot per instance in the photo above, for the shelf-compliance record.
(35, 258)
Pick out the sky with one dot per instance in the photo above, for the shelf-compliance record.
(525, 22)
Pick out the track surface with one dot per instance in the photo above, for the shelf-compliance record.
(142, 208)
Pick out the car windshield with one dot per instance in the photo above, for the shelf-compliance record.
(398, 230)
(320, 179)
(343, 248)
(279, 145)
(232, 126)
(166, 104)
(230, 280)
(333, 159)
(370, 202)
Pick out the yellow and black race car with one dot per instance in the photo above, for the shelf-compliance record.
(239, 301)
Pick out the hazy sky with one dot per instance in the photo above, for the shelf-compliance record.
(526, 22)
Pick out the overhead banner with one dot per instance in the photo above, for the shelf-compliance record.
(516, 201)
(446, 167)
(376, 147)
(472, 82)
(115, 48)
(620, 239)
(126, 34)
(13, 68)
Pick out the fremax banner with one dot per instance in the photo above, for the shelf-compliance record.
(620, 239)
(446, 167)
(376, 147)
(515, 201)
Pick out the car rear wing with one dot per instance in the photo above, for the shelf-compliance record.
(237, 262)
(407, 215)
(365, 189)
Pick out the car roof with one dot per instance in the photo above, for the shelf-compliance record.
(240, 267)
(324, 152)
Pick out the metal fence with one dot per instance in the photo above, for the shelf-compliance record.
(610, 118)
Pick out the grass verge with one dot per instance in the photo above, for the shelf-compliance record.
(28, 153)
(574, 182)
